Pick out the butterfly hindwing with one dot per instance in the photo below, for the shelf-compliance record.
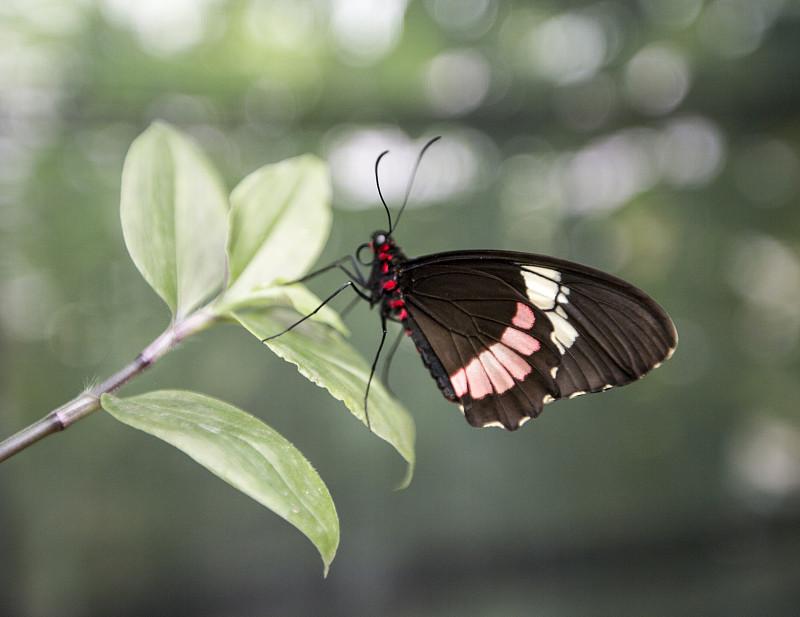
(505, 333)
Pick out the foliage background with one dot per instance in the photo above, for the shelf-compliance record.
(654, 139)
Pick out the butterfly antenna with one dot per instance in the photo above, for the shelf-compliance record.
(411, 179)
(378, 184)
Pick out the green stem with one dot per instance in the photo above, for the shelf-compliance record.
(89, 400)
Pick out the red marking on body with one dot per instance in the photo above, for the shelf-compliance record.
(524, 319)
(523, 343)
(402, 315)
(385, 267)
(389, 285)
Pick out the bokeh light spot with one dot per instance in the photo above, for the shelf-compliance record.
(735, 28)
(692, 151)
(365, 31)
(456, 82)
(766, 274)
(609, 172)
(162, 27)
(656, 80)
(282, 24)
(567, 47)
(453, 166)
(467, 17)
(764, 463)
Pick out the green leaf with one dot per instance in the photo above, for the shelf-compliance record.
(322, 356)
(174, 211)
(241, 450)
(280, 218)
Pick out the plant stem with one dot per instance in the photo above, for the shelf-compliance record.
(89, 400)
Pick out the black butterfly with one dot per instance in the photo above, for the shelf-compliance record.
(504, 333)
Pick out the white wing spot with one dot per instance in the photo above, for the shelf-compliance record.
(564, 334)
(545, 272)
(542, 289)
(545, 290)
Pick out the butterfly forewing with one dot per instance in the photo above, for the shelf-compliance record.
(505, 333)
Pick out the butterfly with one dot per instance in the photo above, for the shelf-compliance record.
(504, 333)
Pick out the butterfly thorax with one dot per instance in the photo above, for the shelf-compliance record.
(386, 287)
(384, 278)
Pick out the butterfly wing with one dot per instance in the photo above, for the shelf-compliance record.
(505, 333)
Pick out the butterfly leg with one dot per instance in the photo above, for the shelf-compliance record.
(316, 310)
(388, 363)
(353, 274)
(374, 366)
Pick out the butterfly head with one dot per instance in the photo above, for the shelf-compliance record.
(381, 241)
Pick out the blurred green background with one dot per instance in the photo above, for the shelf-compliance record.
(658, 140)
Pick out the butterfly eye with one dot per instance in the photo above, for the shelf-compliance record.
(379, 239)
(370, 254)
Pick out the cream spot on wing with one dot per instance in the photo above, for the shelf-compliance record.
(546, 291)
(545, 272)
(542, 286)
(493, 423)
(564, 334)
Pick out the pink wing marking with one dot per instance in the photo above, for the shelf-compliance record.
(523, 343)
(497, 373)
(478, 380)
(513, 363)
(459, 382)
(524, 319)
